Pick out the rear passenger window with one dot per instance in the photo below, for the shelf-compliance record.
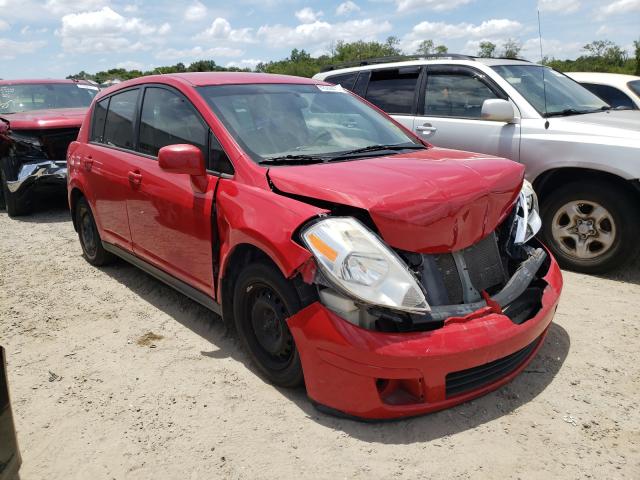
(347, 80)
(455, 95)
(611, 95)
(118, 130)
(168, 119)
(99, 117)
(393, 90)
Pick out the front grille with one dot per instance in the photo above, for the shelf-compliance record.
(464, 381)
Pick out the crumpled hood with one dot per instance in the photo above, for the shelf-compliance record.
(40, 119)
(619, 124)
(431, 201)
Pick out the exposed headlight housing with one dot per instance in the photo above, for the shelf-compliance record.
(361, 266)
(527, 214)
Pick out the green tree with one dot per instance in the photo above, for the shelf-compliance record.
(427, 47)
(487, 49)
(636, 44)
(511, 48)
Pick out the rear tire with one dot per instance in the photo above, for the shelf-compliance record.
(590, 226)
(90, 241)
(15, 204)
(262, 302)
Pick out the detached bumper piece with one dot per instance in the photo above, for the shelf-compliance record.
(43, 174)
(370, 374)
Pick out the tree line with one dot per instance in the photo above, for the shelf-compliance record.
(598, 56)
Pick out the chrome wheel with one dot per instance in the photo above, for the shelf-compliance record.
(583, 229)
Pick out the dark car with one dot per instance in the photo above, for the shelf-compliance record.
(38, 120)
(9, 453)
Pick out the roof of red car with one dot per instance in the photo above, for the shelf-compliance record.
(39, 81)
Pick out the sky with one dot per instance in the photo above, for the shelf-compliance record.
(55, 38)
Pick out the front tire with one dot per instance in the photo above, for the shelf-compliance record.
(263, 300)
(90, 241)
(591, 227)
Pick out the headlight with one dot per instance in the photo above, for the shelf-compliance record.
(363, 267)
(528, 214)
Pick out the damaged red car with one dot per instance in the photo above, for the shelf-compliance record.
(38, 121)
(390, 277)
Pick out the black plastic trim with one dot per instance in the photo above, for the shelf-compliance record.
(194, 294)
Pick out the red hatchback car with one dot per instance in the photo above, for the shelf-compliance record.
(390, 277)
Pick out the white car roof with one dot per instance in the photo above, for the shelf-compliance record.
(614, 79)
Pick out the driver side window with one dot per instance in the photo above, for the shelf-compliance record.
(455, 95)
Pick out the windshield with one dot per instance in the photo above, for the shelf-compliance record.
(288, 121)
(634, 85)
(563, 95)
(39, 96)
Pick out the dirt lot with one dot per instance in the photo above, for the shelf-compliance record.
(114, 375)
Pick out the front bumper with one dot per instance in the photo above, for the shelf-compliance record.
(39, 174)
(374, 375)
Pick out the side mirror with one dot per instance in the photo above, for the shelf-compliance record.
(185, 159)
(497, 110)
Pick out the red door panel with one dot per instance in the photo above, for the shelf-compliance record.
(105, 173)
(171, 224)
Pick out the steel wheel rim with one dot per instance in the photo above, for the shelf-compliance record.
(88, 234)
(583, 229)
(268, 315)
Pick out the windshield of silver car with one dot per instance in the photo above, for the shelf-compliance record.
(551, 93)
(23, 97)
(293, 123)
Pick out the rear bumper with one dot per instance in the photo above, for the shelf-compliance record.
(45, 174)
(374, 375)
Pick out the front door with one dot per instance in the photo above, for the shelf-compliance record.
(449, 113)
(169, 218)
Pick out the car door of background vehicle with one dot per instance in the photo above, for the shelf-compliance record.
(105, 163)
(449, 106)
(394, 90)
(170, 220)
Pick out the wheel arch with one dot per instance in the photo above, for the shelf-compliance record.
(75, 195)
(549, 180)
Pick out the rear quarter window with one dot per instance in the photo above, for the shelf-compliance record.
(99, 120)
(347, 80)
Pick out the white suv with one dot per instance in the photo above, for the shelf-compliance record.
(582, 156)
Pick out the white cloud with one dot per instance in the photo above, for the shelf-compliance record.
(561, 6)
(164, 29)
(197, 53)
(621, 6)
(106, 30)
(551, 48)
(130, 9)
(196, 11)
(307, 15)
(63, 7)
(437, 5)
(220, 29)
(347, 7)
(321, 32)
(131, 65)
(9, 49)
(245, 63)
(5, 26)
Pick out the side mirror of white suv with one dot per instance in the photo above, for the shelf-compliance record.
(497, 110)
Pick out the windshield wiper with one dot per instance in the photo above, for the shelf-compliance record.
(378, 148)
(574, 111)
(292, 160)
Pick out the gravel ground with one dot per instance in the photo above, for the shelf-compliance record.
(113, 375)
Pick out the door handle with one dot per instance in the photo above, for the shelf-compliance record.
(87, 162)
(426, 129)
(135, 178)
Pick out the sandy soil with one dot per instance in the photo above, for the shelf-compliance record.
(114, 375)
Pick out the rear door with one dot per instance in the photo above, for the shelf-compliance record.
(170, 220)
(449, 109)
(394, 90)
(105, 163)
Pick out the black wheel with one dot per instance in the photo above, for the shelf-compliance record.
(90, 241)
(17, 205)
(263, 300)
(590, 226)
